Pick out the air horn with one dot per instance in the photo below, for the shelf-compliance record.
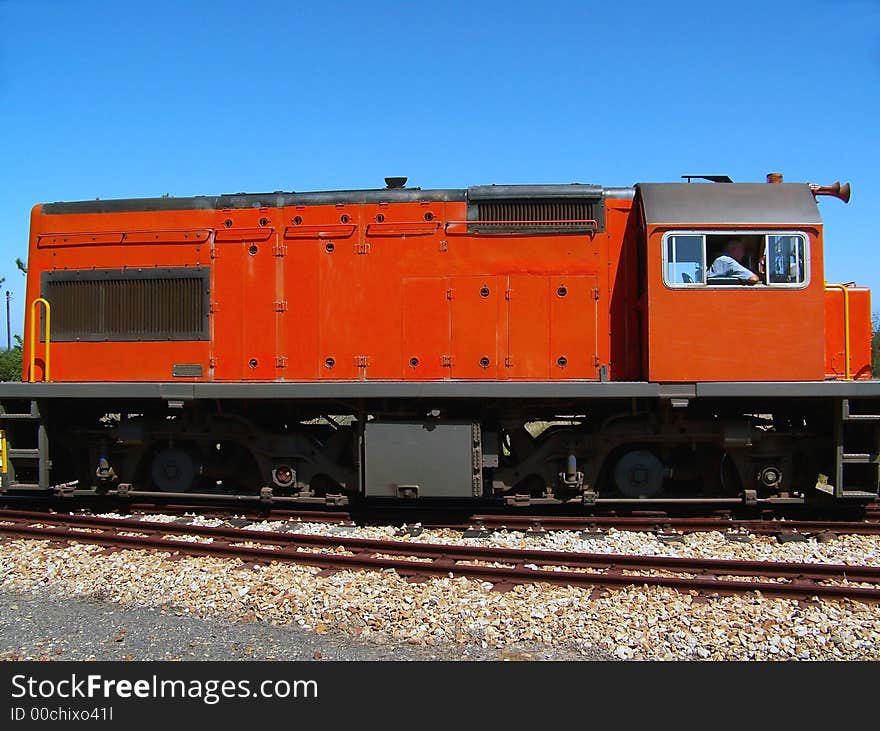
(835, 189)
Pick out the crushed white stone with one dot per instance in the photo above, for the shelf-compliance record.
(635, 622)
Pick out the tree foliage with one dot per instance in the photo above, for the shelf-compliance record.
(10, 362)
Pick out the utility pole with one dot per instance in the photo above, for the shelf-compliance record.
(8, 332)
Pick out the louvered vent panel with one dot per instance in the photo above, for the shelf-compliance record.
(529, 213)
(103, 305)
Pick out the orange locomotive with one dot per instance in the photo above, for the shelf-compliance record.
(540, 343)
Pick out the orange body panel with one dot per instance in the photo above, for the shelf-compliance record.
(573, 322)
(859, 333)
(528, 327)
(345, 292)
(426, 328)
(475, 326)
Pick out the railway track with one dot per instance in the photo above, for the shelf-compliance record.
(663, 523)
(655, 523)
(502, 567)
(864, 522)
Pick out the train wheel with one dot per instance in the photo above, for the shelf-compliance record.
(639, 474)
(174, 469)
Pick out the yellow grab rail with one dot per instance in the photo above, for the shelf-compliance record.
(33, 338)
(843, 288)
(3, 467)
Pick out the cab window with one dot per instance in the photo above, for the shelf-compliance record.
(685, 260)
(785, 260)
(731, 259)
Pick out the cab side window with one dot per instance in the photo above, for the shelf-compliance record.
(785, 260)
(685, 260)
(729, 258)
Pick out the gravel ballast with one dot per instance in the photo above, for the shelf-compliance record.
(41, 626)
(440, 618)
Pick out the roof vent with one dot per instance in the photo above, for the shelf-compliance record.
(395, 182)
(710, 178)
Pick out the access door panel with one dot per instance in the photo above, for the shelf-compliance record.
(528, 327)
(260, 311)
(243, 311)
(426, 328)
(227, 329)
(342, 315)
(573, 327)
(475, 318)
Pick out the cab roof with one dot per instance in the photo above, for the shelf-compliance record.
(708, 204)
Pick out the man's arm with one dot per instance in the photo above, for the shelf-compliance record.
(740, 272)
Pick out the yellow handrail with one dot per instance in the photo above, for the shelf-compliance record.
(3, 468)
(843, 288)
(33, 339)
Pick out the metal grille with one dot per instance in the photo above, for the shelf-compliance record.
(534, 213)
(161, 304)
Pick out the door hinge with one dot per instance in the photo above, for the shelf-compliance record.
(362, 361)
(362, 247)
(279, 250)
(508, 294)
(478, 485)
(215, 252)
(508, 362)
(215, 306)
(450, 294)
(596, 293)
(281, 306)
(596, 361)
(212, 362)
(444, 246)
(446, 361)
(281, 361)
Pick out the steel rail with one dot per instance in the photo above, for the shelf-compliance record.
(222, 513)
(654, 523)
(446, 559)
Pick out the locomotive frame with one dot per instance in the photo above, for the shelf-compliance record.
(525, 346)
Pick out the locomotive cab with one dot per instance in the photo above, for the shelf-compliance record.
(703, 324)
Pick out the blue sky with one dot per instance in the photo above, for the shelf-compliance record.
(128, 99)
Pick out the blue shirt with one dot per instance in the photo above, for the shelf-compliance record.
(726, 266)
